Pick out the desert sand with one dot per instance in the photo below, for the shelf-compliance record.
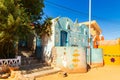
(101, 73)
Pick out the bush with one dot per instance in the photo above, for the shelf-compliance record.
(7, 50)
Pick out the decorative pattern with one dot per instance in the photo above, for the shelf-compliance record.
(11, 62)
(75, 60)
(112, 55)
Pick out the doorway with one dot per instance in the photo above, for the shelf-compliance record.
(63, 38)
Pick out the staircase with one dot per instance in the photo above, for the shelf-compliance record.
(32, 64)
(33, 67)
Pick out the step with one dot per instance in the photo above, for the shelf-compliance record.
(36, 70)
(42, 73)
(27, 58)
(30, 60)
(32, 66)
(24, 62)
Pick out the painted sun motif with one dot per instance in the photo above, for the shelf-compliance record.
(75, 59)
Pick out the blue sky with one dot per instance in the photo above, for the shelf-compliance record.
(105, 12)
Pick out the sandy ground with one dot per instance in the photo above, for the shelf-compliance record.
(101, 73)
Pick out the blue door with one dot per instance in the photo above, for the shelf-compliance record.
(64, 40)
(38, 48)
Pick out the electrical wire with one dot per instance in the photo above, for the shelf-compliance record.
(80, 12)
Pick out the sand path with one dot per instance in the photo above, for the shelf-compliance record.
(102, 73)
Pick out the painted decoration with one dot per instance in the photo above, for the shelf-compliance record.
(75, 59)
(112, 59)
(71, 59)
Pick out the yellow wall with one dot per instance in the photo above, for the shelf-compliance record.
(111, 54)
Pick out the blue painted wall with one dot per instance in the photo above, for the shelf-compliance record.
(73, 35)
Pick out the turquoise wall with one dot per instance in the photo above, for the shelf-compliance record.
(77, 36)
(94, 55)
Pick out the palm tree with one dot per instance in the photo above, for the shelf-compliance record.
(45, 28)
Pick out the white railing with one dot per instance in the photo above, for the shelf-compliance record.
(11, 62)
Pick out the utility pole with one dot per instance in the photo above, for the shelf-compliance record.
(89, 20)
(89, 48)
